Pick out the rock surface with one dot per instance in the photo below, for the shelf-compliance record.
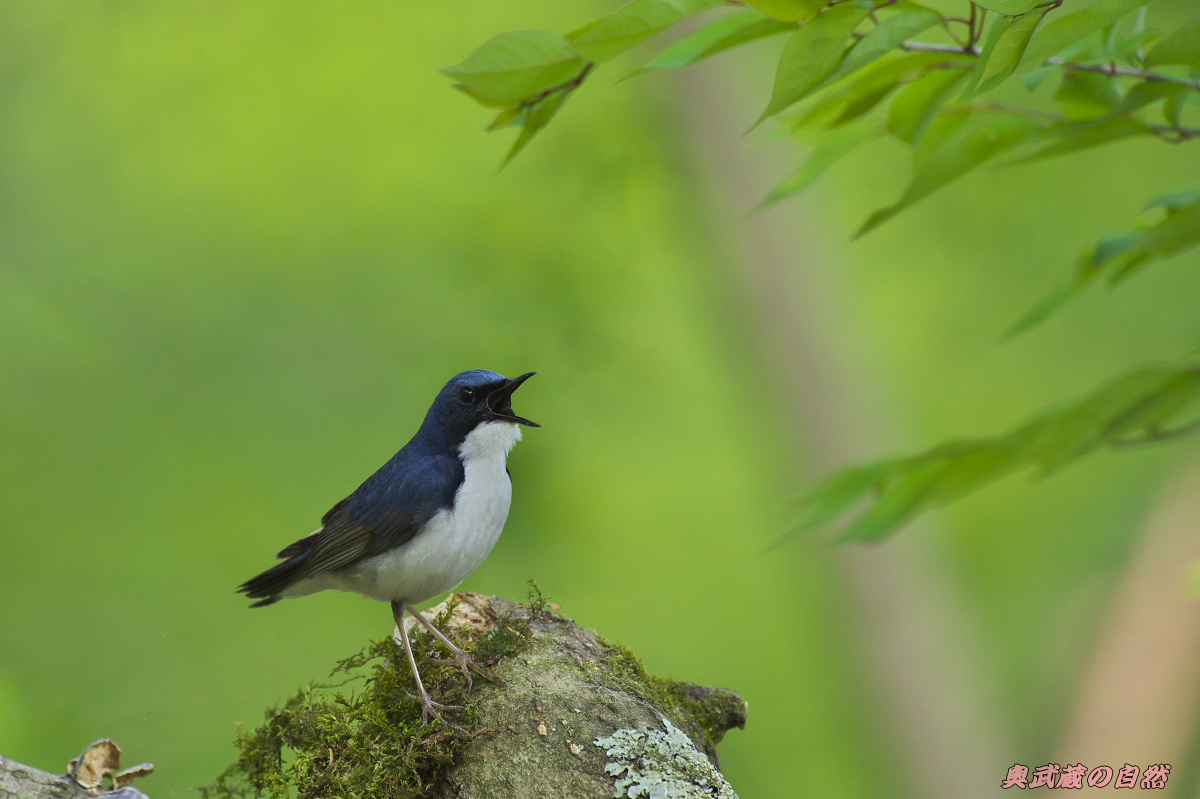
(577, 718)
(570, 692)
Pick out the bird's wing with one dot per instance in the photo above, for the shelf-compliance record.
(385, 512)
(305, 544)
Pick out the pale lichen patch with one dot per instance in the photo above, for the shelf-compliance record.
(661, 765)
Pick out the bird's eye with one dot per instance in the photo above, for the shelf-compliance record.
(466, 395)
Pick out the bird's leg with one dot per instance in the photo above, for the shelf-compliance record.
(428, 706)
(461, 658)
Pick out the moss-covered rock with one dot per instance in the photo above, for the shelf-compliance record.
(546, 733)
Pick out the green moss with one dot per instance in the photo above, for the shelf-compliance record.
(510, 634)
(363, 735)
(702, 713)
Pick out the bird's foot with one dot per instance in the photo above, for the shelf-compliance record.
(460, 658)
(434, 708)
(429, 706)
(466, 665)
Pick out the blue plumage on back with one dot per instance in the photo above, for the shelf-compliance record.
(408, 490)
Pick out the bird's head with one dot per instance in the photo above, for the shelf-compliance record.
(472, 398)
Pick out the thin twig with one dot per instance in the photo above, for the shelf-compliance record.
(1158, 435)
(1174, 135)
(871, 13)
(1114, 70)
(950, 31)
(568, 86)
(978, 34)
(1168, 133)
(1031, 113)
(1111, 70)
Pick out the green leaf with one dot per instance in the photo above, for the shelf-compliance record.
(838, 493)
(1065, 31)
(917, 105)
(1176, 395)
(1067, 434)
(788, 10)
(902, 499)
(716, 37)
(955, 145)
(1009, 8)
(1071, 138)
(1057, 438)
(533, 118)
(833, 145)
(630, 25)
(1042, 310)
(1178, 231)
(1131, 49)
(1119, 256)
(1003, 52)
(506, 117)
(1106, 251)
(812, 53)
(998, 26)
(1176, 201)
(1086, 95)
(882, 76)
(1145, 93)
(513, 67)
(1138, 27)
(1173, 109)
(885, 37)
(970, 464)
(1179, 47)
(1033, 78)
(863, 101)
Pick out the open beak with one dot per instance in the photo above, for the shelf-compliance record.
(500, 401)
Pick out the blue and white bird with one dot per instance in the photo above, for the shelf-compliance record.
(422, 523)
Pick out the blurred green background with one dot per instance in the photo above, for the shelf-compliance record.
(243, 245)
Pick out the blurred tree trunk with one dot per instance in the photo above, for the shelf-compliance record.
(1138, 692)
(833, 412)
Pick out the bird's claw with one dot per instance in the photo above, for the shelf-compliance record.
(466, 665)
(432, 707)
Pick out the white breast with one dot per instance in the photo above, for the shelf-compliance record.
(455, 541)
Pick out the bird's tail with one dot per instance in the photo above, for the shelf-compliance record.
(268, 586)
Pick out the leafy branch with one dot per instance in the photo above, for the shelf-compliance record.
(853, 71)
(1150, 405)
